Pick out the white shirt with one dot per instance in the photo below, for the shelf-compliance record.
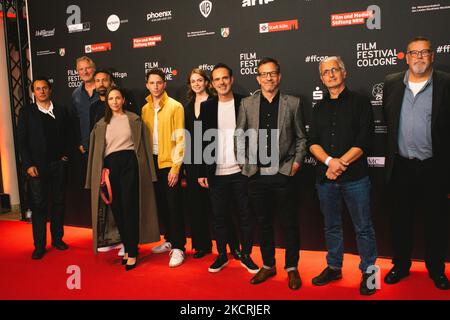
(226, 159)
(416, 86)
(155, 131)
(49, 111)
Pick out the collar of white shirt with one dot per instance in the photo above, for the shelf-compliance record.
(48, 111)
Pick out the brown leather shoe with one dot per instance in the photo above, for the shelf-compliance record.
(263, 274)
(294, 280)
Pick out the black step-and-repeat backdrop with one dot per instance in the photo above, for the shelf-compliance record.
(130, 37)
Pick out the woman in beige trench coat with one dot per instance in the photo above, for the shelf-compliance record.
(103, 225)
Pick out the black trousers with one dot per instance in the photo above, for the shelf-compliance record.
(415, 187)
(263, 190)
(48, 187)
(223, 190)
(168, 201)
(200, 206)
(124, 178)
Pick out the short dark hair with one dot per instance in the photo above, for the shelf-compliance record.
(156, 71)
(419, 38)
(223, 65)
(268, 60)
(105, 71)
(41, 78)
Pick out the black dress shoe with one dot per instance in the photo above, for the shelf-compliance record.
(326, 276)
(441, 282)
(201, 253)
(236, 254)
(60, 245)
(395, 275)
(263, 274)
(295, 282)
(366, 288)
(37, 254)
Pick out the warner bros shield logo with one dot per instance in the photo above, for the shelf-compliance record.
(205, 8)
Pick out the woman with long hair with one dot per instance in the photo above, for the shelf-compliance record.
(119, 143)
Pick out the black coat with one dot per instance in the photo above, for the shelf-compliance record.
(208, 116)
(31, 136)
(393, 92)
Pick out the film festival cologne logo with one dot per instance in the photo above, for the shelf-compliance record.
(169, 71)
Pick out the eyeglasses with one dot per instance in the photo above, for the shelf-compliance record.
(418, 54)
(328, 72)
(267, 74)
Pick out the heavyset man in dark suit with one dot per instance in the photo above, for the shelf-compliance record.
(44, 143)
(417, 111)
(277, 144)
(220, 170)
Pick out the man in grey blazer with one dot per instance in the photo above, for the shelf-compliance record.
(270, 146)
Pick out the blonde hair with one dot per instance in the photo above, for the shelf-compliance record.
(85, 58)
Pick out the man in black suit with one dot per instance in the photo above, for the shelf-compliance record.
(221, 172)
(44, 143)
(274, 153)
(417, 111)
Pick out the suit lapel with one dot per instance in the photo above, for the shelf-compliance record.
(135, 131)
(437, 95)
(253, 111)
(281, 111)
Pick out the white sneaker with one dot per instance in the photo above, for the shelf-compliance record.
(176, 258)
(121, 252)
(109, 248)
(165, 247)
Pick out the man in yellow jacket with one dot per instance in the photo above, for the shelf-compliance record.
(164, 118)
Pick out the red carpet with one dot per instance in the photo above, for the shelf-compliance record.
(103, 277)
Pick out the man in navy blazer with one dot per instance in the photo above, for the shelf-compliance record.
(417, 111)
(220, 171)
(44, 144)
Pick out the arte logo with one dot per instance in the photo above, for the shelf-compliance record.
(113, 22)
(45, 33)
(248, 63)
(145, 42)
(278, 26)
(368, 55)
(169, 72)
(252, 3)
(377, 94)
(73, 22)
(97, 47)
(205, 8)
(377, 162)
(371, 17)
(159, 16)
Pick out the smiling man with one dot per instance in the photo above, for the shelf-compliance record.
(417, 110)
(277, 155)
(340, 136)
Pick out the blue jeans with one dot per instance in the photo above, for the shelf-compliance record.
(356, 195)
